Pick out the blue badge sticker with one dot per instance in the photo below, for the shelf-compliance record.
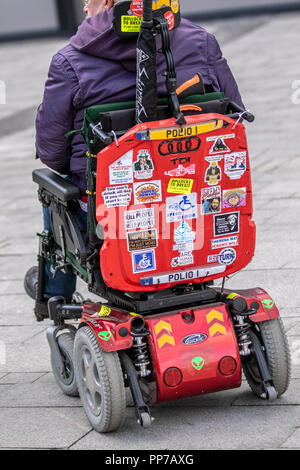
(143, 261)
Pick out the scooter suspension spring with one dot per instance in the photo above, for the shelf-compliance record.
(140, 353)
(242, 328)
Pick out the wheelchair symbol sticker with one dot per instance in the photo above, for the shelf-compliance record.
(179, 208)
(143, 261)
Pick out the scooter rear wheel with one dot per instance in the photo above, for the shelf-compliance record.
(100, 382)
(272, 337)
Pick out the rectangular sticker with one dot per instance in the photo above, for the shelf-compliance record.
(235, 165)
(226, 224)
(120, 172)
(115, 196)
(180, 208)
(139, 219)
(219, 144)
(185, 131)
(145, 193)
(180, 186)
(142, 240)
(130, 24)
(225, 242)
(196, 273)
(233, 198)
(144, 261)
(211, 200)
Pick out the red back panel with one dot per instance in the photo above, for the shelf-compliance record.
(176, 204)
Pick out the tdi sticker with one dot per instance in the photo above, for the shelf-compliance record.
(143, 262)
(143, 167)
(219, 145)
(235, 165)
(225, 242)
(182, 171)
(181, 208)
(115, 196)
(226, 224)
(139, 219)
(120, 172)
(141, 240)
(211, 200)
(180, 186)
(145, 193)
(234, 198)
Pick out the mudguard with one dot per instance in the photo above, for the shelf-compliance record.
(267, 308)
(111, 326)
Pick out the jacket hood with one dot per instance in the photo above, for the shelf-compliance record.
(96, 37)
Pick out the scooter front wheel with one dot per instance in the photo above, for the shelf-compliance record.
(100, 382)
(273, 340)
(65, 378)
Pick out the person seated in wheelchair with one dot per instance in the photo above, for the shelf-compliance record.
(99, 67)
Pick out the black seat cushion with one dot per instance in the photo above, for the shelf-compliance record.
(61, 188)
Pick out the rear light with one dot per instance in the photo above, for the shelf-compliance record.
(172, 377)
(227, 365)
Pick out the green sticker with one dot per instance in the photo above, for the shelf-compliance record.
(197, 362)
(268, 303)
(105, 335)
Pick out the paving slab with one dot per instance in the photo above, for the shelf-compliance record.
(293, 442)
(49, 428)
(207, 428)
(42, 392)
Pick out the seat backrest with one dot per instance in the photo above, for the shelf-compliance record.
(120, 117)
(175, 203)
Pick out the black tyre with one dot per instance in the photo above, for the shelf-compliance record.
(66, 380)
(100, 382)
(273, 338)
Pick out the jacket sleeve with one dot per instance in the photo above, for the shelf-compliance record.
(225, 78)
(55, 115)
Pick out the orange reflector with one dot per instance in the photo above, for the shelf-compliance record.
(227, 365)
(172, 377)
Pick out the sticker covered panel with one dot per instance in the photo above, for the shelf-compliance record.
(175, 203)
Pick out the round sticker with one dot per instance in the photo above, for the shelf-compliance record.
(136, 7)
(175, 6)
(171, 19)
(227, 256)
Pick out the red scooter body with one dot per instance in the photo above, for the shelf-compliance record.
(197, 347)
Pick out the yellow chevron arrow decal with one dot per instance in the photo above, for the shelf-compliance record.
(164, 339)
(217, 328)
(162, 325)
(214, 315)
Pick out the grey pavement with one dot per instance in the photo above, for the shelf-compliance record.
(34, 414)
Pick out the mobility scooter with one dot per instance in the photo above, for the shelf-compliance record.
(169, 212)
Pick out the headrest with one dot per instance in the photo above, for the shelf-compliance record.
(128, 15)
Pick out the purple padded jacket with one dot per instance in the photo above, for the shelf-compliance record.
(96, 67)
